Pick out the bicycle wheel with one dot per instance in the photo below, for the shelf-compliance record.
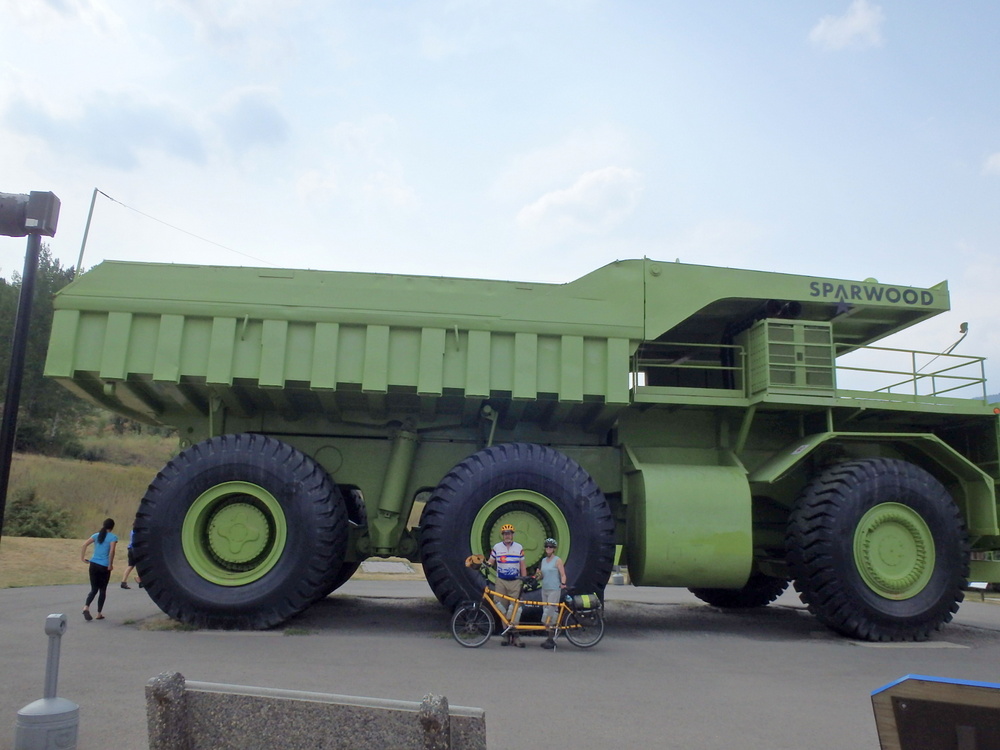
(471, 625)
(584, 629)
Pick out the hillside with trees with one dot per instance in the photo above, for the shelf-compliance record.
(50, 419)
(73, 462)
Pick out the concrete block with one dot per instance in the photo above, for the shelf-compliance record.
(234, 717)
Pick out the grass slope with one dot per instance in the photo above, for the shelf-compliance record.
(43, 562)
(94, 490)
(53, 562)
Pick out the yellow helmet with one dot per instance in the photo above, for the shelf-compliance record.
(507, 527)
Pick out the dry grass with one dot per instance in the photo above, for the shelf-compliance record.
(150, 451)
(52, 562)
(42, 562)
(90, 492)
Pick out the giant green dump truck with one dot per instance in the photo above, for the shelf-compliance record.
(693, 420)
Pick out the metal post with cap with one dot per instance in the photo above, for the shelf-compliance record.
(51, 723)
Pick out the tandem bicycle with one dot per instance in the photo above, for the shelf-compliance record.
(580, 617)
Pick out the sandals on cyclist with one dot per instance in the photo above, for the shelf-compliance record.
(518, 643)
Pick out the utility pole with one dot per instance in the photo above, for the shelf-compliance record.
(34, 215)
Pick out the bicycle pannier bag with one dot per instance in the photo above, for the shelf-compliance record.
(584, 601)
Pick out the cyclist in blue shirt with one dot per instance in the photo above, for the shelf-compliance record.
(131, 561)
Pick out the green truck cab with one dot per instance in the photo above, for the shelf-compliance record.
(686, 421)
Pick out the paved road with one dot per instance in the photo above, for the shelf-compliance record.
(670, 672)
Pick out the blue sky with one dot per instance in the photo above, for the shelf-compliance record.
(532, 140)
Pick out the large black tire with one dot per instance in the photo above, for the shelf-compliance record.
(357, 514)
(878, 550)
(239, 532)
(759, 591)
(543, 492)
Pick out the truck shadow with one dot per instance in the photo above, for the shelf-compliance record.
(346, 615)
(774, 623)
(423, 617)
(371, 615)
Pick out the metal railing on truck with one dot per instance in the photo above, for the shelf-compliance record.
(689, 367)
(686, 368)
(960, 375)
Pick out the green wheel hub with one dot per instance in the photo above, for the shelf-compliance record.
(234, 533)
(894, 551)
(534, 516)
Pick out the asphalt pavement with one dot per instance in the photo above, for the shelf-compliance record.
(671, 672)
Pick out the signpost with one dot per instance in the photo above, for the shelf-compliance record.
(34, 215)
(918, 712)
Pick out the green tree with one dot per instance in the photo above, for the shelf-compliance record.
(49, 416)
(29, 516)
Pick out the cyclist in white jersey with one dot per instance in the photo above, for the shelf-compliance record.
(508, 558)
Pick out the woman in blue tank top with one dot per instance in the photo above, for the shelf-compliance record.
(102, 562)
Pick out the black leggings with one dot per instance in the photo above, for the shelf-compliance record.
(99, 577)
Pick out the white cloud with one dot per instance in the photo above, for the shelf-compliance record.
(248, 117)
(264, 35)
(860, 26)
(389, 188)
(360, 167)
(973, 300)
(439, 43)
(368, 138)
(225, 18)
(545, 168)
(596, 202)
(992, 164)
(469, 28)
(315, 185)
(110, 128)
(973, 276)
(721, 242)
(41, 14)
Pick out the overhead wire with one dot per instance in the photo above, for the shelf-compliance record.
(183, 231)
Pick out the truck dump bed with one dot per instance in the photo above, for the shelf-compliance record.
(154, 340)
